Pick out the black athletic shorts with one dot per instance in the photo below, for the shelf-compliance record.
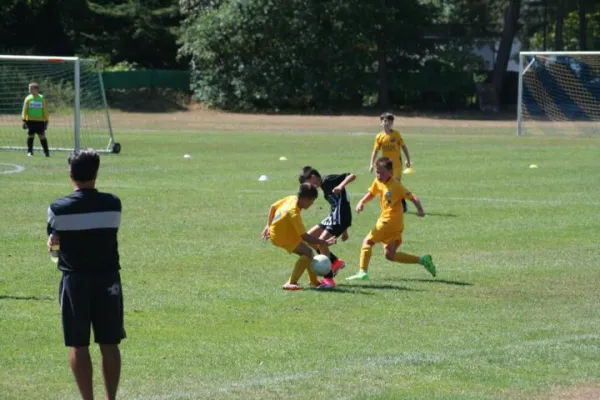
(335, 228)
(91, 299)
(34, 127)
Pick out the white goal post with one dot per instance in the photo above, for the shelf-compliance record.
(74, 92)
(558, 93)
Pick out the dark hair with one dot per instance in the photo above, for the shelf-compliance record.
(387, 116)
(84, 165)
(385, 163)
(307, 172)
(306, 190)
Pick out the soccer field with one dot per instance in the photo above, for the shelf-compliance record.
(512, 314)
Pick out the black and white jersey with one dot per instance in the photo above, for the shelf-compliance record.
(341, 213)
(86, 222)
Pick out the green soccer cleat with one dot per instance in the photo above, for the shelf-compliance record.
(428, 264)
(362, 275)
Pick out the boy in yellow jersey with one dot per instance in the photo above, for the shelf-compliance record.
(286, 230)
(35, 118)
(390, 225)
(390, 142)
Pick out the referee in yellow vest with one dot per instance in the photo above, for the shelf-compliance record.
(35, 118)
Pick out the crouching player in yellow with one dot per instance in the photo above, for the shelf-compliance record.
(286, 230)
(389, 226)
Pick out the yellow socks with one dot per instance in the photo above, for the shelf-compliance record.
(365, 257)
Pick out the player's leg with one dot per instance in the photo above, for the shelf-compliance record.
(379, 234)
(391, 253)
(44, 142)
(107, 321)
(30, 138)
(81, 365)
(317, 231)
(336, 263)
(302, 264)
(329, 229)
(365, 256)
(111, 369)
(75, 311)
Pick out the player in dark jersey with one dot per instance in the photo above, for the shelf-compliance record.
(338, 221)
(85, 225)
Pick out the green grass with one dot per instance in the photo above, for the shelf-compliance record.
(513, 313)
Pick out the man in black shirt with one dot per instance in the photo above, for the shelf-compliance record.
(338, 221)
(84, 224)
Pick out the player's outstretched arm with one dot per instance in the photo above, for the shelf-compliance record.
(265, 232)
(406, 153)
(373, 158)
(415, 200)
(45, 111)
(366, 198)
(350, 178)
(25, 110)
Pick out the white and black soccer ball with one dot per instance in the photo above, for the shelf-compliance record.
(321, 265)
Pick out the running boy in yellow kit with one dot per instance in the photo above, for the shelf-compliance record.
(286, 230)
(390, 225)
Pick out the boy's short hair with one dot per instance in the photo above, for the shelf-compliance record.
(84, 165)
(34, 85)
(385, 163)
(307, 191)
(387, 116)
(307, 172)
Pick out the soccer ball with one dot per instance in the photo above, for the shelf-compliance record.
(321, 265)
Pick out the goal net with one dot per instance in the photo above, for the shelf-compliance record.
(74, 93)
(559, 93)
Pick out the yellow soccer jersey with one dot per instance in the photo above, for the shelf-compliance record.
(390, 146)
(35, 108)
(391, 194)
(287, 225)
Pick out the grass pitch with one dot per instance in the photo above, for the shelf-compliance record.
(513, 313)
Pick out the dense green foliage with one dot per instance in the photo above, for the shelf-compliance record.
(141, 33)
(304, 54)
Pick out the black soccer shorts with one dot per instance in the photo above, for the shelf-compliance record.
(335, 228)
(91, 300)
(34, 127)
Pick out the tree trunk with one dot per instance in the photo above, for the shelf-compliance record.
(383, 99)
(511, 19)
(559, 28)
(582, 25)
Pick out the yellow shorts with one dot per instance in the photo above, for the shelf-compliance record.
(386, 233)
(289, 244)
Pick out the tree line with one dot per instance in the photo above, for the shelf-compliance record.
(319, 54)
